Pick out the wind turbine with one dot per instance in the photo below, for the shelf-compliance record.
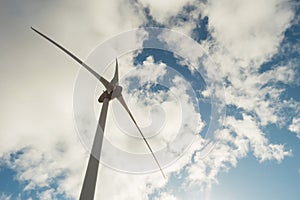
(113, 90)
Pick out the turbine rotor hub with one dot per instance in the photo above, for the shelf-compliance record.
(117, 91)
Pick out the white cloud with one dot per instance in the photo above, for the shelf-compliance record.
(249, 30)
(5, 196)
(48, 194)
(149, 71)
(36, 93)
(161, 11)
(165, 196)
(242, 39)
(240, 27)
(37, 84)
(247, 130)
(116, 185)
(295, 126)
(241, 137)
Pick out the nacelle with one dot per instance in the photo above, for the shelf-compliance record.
(115, 93)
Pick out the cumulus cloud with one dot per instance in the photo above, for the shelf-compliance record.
(235, 142)
(163, 11)
(38, 121)
(37, 84)
(295, 126)
(250, 30)
(165, 196)
(126, 186)
(248, 130)
(5, 196)
(237, 29)
(48, 194)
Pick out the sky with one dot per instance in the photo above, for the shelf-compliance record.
(219, 103)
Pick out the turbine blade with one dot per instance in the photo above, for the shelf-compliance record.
(106, 84)
(115, 79)
(122, 101)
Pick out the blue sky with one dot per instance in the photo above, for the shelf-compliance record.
(255, 51)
